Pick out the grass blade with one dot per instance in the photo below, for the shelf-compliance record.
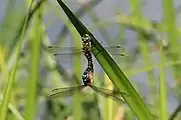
(163, 111)
(175, 113)
(35, 37)
(171, 28)
(11, 78)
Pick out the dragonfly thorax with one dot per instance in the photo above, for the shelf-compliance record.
(86, 43)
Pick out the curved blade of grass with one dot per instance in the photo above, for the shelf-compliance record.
(8, 88)
(20, 36)
(171, 28)
(26, 19)
(13, 110)
(162, 104)
(175, 113)
(112, 70)
(36, 33)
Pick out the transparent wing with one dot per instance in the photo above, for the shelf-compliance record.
(65, 92)
(115, 95)
(113, 50)
(64, 50)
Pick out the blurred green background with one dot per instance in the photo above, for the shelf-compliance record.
(147, 30)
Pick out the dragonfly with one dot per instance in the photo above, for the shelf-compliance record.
(87, 82)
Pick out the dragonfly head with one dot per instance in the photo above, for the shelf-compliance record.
(86, 38)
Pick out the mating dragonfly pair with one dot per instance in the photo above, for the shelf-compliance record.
(88, 73)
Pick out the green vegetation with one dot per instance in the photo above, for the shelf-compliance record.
(28, 71)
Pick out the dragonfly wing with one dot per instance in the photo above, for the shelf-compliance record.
(64, 92)
(115, 95)
(116, 50)
(65, 89)
(67, 53)
(56, 50)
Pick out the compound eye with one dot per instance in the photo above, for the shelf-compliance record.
(86, 37)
